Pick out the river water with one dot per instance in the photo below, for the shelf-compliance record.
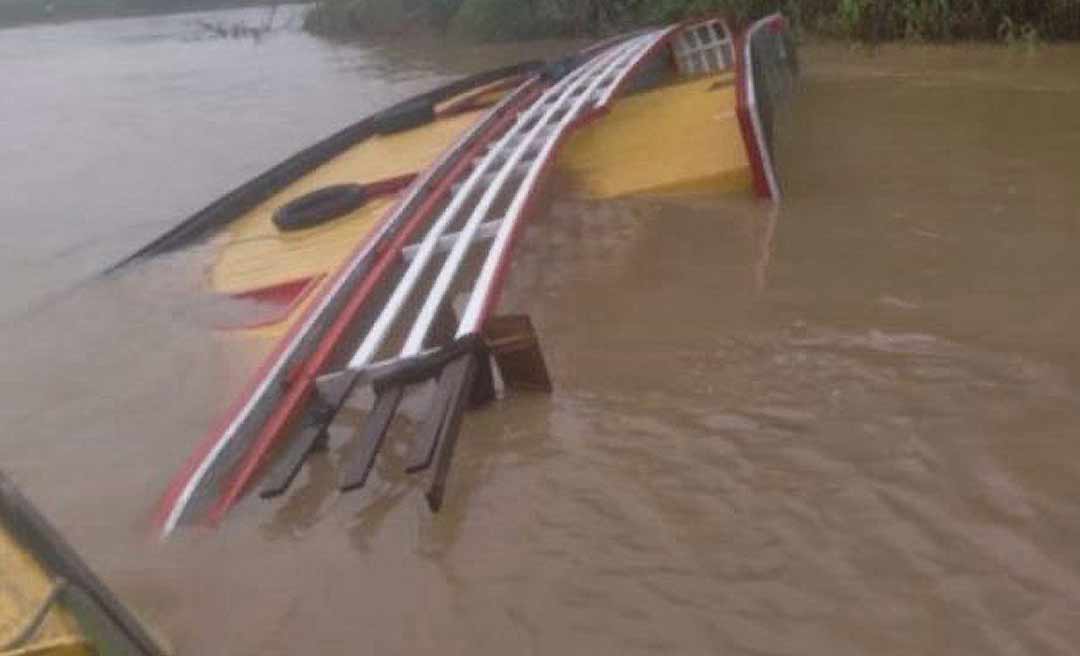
(846, 426)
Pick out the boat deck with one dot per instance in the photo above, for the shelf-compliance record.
(657, 141)
(680, 137)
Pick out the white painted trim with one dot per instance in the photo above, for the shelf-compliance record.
(322, 314)
(379, 331)
(446, 242)
(541, 133)
(471, 319)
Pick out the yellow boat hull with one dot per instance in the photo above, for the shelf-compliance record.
(328, 271)
(682, 137)
(25, 588)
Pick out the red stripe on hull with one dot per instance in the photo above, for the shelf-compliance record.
(284, 297)
(502, 269)
(389, 186)
(746, 122)
(301, 381)
(744, 111)
(217, 432)
(302, 384)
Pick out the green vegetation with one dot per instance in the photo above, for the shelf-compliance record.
(1014, 21)
(947, 20)
(866, 20)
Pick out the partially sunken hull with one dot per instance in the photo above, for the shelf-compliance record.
(376, 257)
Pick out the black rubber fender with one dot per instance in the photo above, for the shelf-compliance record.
(406, 117)
(320, 206)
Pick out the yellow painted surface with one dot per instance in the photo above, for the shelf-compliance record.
(677, 138)
(258, 255)
(23, 586)
(253, 253)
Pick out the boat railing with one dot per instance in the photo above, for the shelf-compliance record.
(704, 48)
(487, 207)
(223, 465)
(469, 208)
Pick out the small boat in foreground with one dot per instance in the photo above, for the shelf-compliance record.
(358, 250)
(51, 602)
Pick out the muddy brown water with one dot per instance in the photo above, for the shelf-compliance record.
(845, 426)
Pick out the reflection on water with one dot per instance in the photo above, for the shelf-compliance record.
(845, 427)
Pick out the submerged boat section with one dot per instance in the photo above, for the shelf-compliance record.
(767, 67)
(385, 260)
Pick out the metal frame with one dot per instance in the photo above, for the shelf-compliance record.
(472, 201)
(246, 422)
(704, 48)
(496, 195)
(537, 129)
(282, 391)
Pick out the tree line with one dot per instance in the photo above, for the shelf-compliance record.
(865, 20)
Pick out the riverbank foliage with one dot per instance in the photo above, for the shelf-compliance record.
(864, 20)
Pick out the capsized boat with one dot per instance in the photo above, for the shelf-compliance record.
(51, 602)
(377, 256)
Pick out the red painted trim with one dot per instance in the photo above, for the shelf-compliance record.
(202, 451)
(176, 487)
(743, 110)
(172, 493)
(746, 124)
(502, 269)
(289, 294)
(649, 54)
(389, 186)
(282, 293)
(302, 383)
(286, 296)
